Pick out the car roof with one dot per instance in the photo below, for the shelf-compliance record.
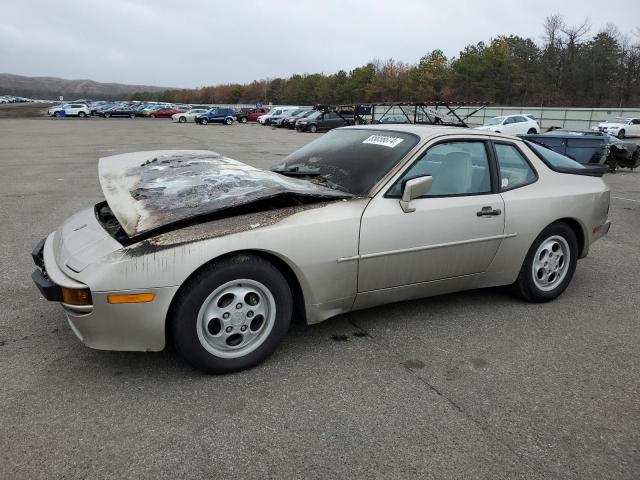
(425, 132)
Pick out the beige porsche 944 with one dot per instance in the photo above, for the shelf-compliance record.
(218, 257)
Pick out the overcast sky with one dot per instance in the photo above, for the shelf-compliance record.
(204, 42)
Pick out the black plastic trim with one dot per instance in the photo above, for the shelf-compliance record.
(48, 289)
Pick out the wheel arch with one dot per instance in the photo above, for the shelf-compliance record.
(281, 264)
(581, 234)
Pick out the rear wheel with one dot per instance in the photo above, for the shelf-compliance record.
(549, 265)
(82, 114)
(231, 315)
(228, 121)
(621, 133)
(132, 115)
(107, 115)
(243, 119)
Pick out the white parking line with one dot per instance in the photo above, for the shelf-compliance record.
(627, 199)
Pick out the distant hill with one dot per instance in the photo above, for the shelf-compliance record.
(53, 87)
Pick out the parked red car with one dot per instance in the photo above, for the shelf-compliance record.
(245, 115)
(164, 113)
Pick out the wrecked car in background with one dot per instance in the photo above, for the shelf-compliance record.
(591, 147)
(218, 257)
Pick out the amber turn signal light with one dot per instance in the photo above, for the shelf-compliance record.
(131, 298)
(76, 296)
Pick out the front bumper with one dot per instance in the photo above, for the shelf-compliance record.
(104, 326)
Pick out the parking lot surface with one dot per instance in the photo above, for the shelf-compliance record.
(470, 385)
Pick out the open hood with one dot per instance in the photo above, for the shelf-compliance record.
(155, 189)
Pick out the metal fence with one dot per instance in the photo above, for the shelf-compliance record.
(558, 117)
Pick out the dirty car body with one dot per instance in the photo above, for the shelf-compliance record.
(337, 219)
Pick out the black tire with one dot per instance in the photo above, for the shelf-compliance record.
(132, 115)
(203, 121)
(228, 121)
(56, 114)
(107, 115)
(243, 120)
(183, 321)
(82, 114)
(525, 286)
(182, 119)
(532, 131)
(621, 133)
(313, 128)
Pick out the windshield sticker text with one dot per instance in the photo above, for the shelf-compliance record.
(383, 140)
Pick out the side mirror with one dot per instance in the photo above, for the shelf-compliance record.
(413, 188)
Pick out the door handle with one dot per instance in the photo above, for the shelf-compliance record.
(489, 212)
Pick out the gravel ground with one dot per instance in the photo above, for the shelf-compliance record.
(470, 385)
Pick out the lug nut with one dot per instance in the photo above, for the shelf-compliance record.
(225, 315)
(250, 313)
(229, 329)
(239, 306)
(243, 328)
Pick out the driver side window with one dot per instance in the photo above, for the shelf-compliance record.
(457, 168)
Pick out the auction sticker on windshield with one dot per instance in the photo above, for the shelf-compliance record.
(383, 140)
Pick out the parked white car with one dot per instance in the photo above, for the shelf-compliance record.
(70, 110)
(512, 125)
(188, 116)
(620, 127)
(275, 113)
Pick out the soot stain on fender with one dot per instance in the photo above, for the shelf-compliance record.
(216, 228)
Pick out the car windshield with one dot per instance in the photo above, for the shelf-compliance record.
(554, 159)
(495, 121)
(352, 160)
(315, 114)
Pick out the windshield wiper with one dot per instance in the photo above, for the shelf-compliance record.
(298, 170)
(319, 178)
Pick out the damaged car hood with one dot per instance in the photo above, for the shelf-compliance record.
(155, 189)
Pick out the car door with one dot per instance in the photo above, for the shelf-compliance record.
(634, 127)
(456, 227)
(520, 126)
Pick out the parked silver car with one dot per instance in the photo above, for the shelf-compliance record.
(218, 256)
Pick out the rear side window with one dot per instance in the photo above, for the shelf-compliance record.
(515, 171)
(554, 160)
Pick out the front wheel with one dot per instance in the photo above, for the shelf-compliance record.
(203, 121)
(132, 115)
(107, 115)
(231, 315)
(621, 133)
(82, 114)
(182, 119)
(549, 265)
(313, 128)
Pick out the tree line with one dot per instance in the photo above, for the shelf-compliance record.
(570, 66)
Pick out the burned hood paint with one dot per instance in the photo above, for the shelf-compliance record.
(149, 190)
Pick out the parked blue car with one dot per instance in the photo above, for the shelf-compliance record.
(217, 115)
